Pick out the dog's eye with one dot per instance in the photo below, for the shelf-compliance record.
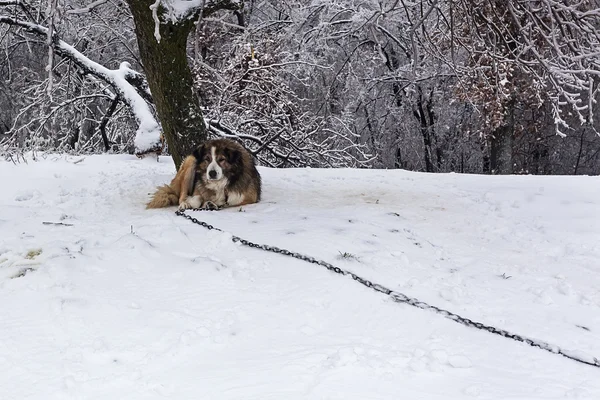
(221, 159)
(206, 158)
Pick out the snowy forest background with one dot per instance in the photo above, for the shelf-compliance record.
(474, 86)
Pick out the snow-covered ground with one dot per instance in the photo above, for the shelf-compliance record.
(124, 303)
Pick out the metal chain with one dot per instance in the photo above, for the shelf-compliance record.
(399, 297)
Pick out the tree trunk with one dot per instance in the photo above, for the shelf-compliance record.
(170, 79)
(579, 152)
(423, 112)
(398, 161)
(486, 167)
(501, 150)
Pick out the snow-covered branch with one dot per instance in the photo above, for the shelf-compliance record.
(148, 134)
(556, 43)
(255, 106)
(179, 10)
(24, 7)
(88, 8)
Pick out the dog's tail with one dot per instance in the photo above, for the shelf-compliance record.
(165, 196)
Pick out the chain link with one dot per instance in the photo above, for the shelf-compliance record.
(399, 297)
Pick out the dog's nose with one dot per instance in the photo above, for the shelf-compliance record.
(212, 174)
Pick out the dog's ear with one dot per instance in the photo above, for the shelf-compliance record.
(199, 153)
(233, 156)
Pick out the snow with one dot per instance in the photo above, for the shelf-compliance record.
(154, 8)
(177, 10)
(104, 299)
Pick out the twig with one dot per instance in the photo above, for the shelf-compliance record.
(56, 223)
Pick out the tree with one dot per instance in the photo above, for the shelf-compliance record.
(522, 55)
(162, 29)
(249, 87)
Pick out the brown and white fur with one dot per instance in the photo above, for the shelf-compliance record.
(219, 173)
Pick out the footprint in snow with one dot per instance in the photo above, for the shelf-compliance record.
(25, 196)
(450, 294)
(577, 393)
(308, 330)
(473, 391)
(459, 361)
(565, 288)
(434, 360)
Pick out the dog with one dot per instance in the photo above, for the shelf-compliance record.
(219, 173)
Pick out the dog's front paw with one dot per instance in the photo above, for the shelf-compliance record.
(190, 202)
(209, 205)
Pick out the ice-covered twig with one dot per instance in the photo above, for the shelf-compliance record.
(89, 8)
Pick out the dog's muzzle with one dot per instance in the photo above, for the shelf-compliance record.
(212, 174)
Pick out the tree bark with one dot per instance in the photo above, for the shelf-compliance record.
(170, 79)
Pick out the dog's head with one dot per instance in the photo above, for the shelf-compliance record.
(217, 159)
